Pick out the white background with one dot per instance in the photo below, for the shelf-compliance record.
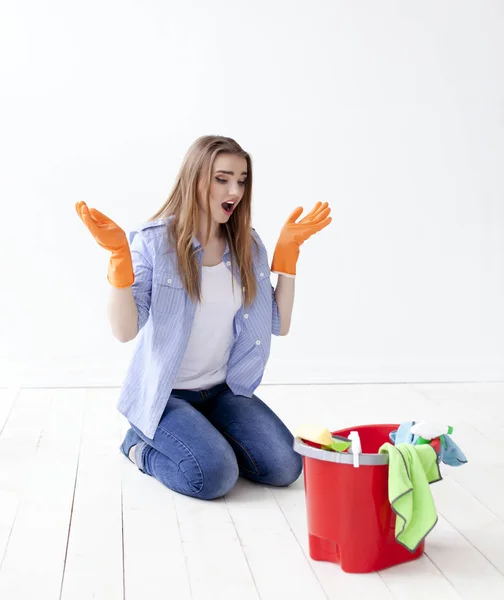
(392, 111)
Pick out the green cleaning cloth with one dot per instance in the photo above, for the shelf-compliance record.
(411, 470)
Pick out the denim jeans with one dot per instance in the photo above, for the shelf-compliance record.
(206, 439)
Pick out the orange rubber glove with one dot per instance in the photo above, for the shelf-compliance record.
(294, 234)
(111, 237)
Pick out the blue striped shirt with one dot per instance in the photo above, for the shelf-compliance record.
(165, 316)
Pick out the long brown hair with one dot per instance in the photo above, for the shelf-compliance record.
(182, 205)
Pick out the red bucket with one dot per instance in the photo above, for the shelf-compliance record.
(350, 520)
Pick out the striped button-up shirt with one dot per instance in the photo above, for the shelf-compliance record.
(165, 316)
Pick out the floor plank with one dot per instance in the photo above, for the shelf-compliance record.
(7, 399)
(479, 525)
(9, 506)
(153, 553)
(94, 565)
(213, 551)
(450, 551)
(9, 500)
(34, 559)
(273, 553)
(418, 580)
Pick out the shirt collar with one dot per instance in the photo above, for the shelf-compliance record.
(197, 246)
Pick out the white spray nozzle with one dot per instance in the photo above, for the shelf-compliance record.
(429, 431)
(356, 447)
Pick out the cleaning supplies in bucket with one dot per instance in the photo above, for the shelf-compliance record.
(413, 464)
(429, 431)
(322, 437)
(434, 434)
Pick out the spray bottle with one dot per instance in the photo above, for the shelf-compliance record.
(427, 432)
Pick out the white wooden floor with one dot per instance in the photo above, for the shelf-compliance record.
(79, 522)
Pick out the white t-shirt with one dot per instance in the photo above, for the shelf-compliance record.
(205, 360)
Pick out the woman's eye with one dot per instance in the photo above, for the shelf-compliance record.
(219, 180)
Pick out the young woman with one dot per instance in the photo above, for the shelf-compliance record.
(194, 284)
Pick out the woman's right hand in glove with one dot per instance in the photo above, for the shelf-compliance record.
(111, 237)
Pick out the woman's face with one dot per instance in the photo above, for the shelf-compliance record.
(227, 186)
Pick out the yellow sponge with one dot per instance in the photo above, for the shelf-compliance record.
(315, 433)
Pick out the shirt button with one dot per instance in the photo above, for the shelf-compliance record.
(262, 274)
(246, 316)
(228, 263)
(169, 280)
(258, 342)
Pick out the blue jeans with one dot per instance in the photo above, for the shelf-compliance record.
(206, 439)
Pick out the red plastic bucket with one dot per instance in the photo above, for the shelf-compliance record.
(350, 520)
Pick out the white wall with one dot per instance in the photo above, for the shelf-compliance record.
(390, 110)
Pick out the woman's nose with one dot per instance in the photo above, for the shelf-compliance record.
(234, 190)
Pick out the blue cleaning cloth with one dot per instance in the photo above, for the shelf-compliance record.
(450, 454)
(403, 435)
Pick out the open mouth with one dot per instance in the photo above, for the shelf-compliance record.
(228, 207)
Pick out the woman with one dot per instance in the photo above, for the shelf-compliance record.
(193, 283)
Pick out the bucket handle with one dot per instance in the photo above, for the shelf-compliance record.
(344, 458)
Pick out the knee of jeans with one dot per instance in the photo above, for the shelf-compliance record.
(287, 470)
(219, 474)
